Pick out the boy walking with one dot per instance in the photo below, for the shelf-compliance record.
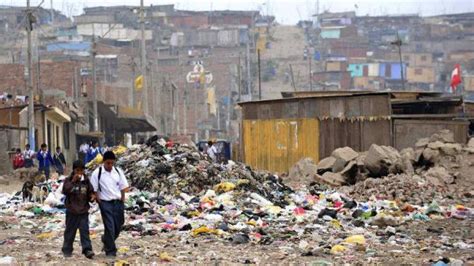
(110, 186)
(79, 193)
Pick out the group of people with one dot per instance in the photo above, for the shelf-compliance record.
(25, 159)
(89, 150)
(106, 186)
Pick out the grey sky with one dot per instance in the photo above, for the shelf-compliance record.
(286, 11)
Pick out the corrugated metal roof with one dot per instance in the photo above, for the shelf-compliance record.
(324, 94)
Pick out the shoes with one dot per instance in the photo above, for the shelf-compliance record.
(89, 254)
(111, 255)
(67, 255)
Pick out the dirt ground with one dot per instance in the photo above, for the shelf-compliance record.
(432, 240)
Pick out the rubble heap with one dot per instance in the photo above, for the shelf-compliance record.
(433, 158)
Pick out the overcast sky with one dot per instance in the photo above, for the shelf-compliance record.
(286, 11)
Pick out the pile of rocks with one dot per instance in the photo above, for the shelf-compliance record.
(432, 158)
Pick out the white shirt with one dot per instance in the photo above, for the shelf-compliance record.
(211, 151)
(84, 148)
(111, 183)
(28, 154)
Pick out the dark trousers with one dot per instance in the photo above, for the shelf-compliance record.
(45, 170)
(113, 217)
(60, 168)
(74, 222)
(29, 163)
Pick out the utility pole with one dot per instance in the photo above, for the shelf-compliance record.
(143, 61)
(52, 12)
(310, 75)
(94, 85)
(240, 80)
(259, 76)
(399, 43)
(249, 78)
(75, 86)
(292, 78)
(185, 107)
(31, 99)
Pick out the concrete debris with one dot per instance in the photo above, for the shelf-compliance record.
(350, 172)
(430, 155)
(382, 160)
(430, 161)
(445, 136)
(408, 159)
(333, 179)
(303, 172)
(469, 150)
(451, 149)
(470, 144)
(326, 164)
(435, 145)
(345, 154)
(439, 176)
(422, 143)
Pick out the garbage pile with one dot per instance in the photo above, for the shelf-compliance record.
(434, 159)
(170, 171)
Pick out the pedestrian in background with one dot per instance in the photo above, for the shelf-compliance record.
(44, 160)
(28, 156)
(212, 150)
(83, 150)
(94, 150)
(104, 149)
(18, 160)
(59, 161)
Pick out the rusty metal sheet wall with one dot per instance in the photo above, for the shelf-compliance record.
(322, 107)
(277, 144)
(407, 132)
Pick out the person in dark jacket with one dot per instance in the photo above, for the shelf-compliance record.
(59, 161)
(79, 192)
(44, 160)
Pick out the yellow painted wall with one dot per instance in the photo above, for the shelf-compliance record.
(277, 144)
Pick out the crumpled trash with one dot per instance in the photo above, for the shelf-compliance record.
(7, 260)
(26, 214)
(355, 239)
(433, 208)
(44, 236)
(164, 256)
(204, 230)
(224, 187)
(337, 249)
